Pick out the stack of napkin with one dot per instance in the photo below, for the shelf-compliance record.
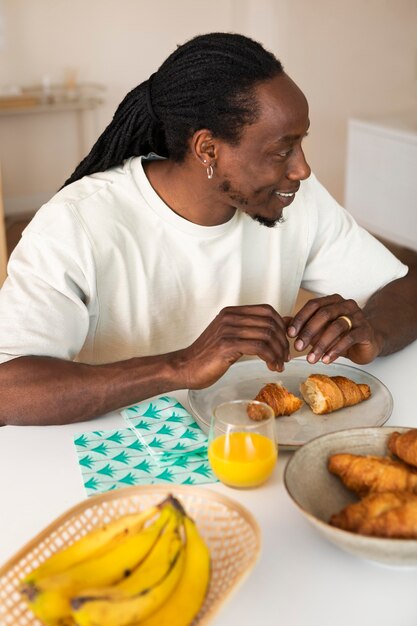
(162, 444)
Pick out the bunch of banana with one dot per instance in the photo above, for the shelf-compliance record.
(150, 568)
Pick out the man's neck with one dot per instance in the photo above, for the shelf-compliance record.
(185, 190)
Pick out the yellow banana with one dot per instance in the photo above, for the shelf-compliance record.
(184, 604)
(154, 568)
(49, 596)
(131, 610)
(148, 573)
(91, 544)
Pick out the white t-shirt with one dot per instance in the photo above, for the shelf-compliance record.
(107, 271)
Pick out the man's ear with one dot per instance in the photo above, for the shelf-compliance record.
(204, 147)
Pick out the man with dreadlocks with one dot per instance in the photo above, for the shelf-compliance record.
(179, 245)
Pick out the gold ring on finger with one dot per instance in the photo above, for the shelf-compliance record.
(347, 320)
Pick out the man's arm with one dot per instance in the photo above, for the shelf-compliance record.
(42, 390)
(392, 311)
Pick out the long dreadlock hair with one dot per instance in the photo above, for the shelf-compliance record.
(208, 82)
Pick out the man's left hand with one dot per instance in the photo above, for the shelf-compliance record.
(334, 327)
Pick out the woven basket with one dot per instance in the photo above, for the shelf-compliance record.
(229, 530)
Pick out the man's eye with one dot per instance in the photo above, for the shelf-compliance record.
(284, 155)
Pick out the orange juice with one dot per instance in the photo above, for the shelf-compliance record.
(242, 459)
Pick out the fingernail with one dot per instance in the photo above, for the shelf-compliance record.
(299, 344)
(326, 359)
(291, 332)
(311, 358)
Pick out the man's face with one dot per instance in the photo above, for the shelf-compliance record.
(261, 175)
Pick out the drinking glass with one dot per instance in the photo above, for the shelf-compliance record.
(242, 452)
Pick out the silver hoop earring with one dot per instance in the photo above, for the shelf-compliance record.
(210, 172)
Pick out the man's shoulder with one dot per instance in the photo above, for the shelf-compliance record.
(92, 203)
(91, 198)
(95, 185)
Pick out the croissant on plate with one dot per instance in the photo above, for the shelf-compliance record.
(325, 394)
(282, 401)
(387, 514)
(366, 474)
(404, 446)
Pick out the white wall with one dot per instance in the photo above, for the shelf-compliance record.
(350, 57)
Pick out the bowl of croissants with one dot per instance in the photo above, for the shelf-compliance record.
(358, 487)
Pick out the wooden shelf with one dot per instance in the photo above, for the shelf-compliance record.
(56, 99)
(53, 107)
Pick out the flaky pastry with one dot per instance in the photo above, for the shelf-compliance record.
(366, 474)
(404, 446)
(282, 401)
(325, 394)
(387, 514)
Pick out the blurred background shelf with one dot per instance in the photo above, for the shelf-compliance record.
(38, 107)
(46, 130)
(52, 98)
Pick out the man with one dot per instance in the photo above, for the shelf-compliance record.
(145, 275)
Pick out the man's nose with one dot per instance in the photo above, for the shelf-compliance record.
(298, 168)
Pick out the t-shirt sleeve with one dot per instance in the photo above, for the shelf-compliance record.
(343, 257)
(46, 301)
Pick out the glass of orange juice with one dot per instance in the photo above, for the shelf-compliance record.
(242, 452)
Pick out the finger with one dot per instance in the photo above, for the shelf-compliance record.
(257, 313)
(323, 341)
(328, 322)
(337, 349)
(230, 346)
(358, 345)
(309, 309)
(271, 327)
(323, 348)
(361, 337)
(276, 340)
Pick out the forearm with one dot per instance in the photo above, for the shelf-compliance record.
(42, 390)
(392, 312)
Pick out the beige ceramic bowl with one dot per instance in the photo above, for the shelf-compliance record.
(318, 494)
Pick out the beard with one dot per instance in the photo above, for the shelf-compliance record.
(266, 222)
(241, 202)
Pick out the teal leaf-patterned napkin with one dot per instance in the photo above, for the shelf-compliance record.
(110, 459)
(165, 427)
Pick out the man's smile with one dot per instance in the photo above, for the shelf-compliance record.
(283, 194)
(285, 197)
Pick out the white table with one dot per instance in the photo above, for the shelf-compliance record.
(299, 579)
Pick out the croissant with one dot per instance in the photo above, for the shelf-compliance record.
(385, 514)
(282, 401)
(325, 394)
(404, 446)
(365, 474)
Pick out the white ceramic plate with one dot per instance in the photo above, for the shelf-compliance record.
(245, 378)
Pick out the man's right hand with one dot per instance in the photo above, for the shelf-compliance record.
(48, 390)
(254, 330)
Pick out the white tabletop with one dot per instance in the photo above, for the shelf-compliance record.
(299, 579)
